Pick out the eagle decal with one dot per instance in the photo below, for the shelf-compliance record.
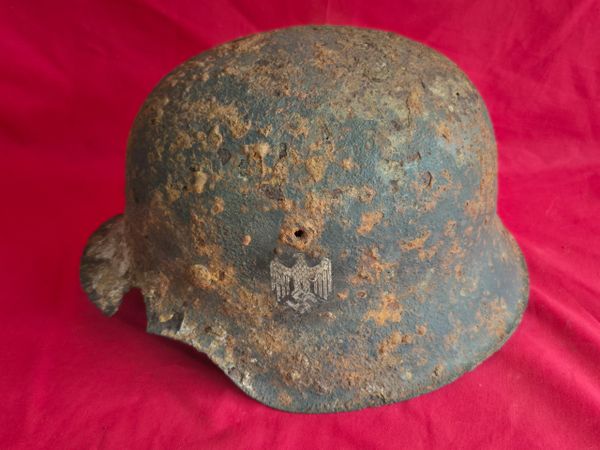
(301, 286)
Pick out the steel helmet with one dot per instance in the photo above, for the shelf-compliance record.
(315, 209)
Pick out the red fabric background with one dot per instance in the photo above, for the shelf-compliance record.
(72, 76)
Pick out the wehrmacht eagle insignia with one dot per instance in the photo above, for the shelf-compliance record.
(301, 286)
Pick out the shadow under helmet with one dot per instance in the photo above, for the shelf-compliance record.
(315, 209)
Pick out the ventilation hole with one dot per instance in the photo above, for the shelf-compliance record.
(300, 233)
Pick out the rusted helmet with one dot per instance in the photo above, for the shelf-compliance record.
(315, 209)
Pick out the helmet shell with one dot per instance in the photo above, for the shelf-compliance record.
(357, 164)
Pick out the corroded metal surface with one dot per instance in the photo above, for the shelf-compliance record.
(351, 146)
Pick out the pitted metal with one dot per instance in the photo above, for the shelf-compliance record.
(315, 209)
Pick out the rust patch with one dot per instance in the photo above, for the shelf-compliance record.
(348, 164)
(458, 272)
(203, 277)
(413, 102)
(417, 243)
(493, 316)
(316, 167)
(258, 152)
(390, 310)
(214, 111)
(173, 192)
(450, 229)
(182, 142)
(284, 398)
(371, 269)
(202, 140)
(443, 131)
(324, 56)
(215, 138)
(298, 126)
(368, 221)
(473, 208)
(407, 339)
(218, 206)
(212, 277)
(200, 179)
(343, 295)
(390, 343)
(367, 194)
(266, 130)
